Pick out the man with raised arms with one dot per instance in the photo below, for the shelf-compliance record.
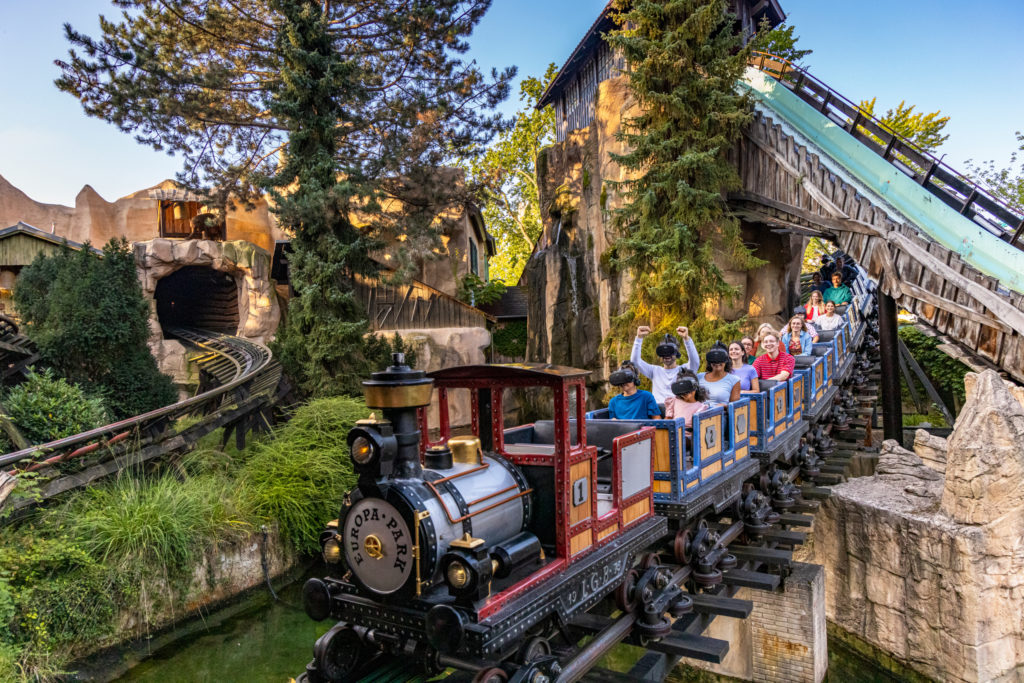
(668, 353)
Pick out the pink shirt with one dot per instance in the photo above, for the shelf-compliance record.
(676, 407)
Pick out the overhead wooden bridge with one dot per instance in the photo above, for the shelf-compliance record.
(941, 246)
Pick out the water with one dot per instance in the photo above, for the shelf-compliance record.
(268, 644)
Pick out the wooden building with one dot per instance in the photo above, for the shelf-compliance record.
(19, 246)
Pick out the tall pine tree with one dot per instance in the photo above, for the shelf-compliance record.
(685, 58)
(345, 109)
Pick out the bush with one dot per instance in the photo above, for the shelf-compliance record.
(510, 339)
(946, 373)
(298, 479)
(155, 521)
(46, 408)
(90, 322)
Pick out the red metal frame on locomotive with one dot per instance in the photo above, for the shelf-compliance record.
(564, 531)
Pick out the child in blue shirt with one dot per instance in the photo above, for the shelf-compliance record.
(632, 403)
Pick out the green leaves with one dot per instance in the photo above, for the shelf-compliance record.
(89, 320)
(46, 408)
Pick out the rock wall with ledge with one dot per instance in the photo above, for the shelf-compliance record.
(930, 566)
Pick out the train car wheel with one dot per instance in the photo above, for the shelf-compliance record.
(491, 675)
(681, 546)
(625, 593)
(650, 560)
(533, 649)
(337, 654)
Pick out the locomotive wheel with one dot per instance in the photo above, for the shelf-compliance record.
(681, 546)
(625, 594)
(337, 654)
(651, 560)
(533, 649)
(491, 675)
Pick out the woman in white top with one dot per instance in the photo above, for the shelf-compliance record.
(829, 321)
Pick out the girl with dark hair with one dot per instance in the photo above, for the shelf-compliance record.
(689, 399)
(738, 366)
(722, 387)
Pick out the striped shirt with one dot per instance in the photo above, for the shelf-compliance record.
(768, 368)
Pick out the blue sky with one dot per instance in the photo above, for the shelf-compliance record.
(958, 57)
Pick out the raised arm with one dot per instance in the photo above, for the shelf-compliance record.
(644, 367)
(692, 357)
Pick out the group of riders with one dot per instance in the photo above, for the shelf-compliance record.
(730, 369)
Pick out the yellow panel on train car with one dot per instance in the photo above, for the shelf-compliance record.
(581, 542)
(662, 452)
(662, 486)
(753, 420)
(606, 532)
(636, 511)
(740, 428)
(579, 500)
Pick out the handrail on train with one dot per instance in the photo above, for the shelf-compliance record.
(952, 187)
(260, 357)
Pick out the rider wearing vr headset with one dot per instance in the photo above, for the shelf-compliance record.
(668, 352)
(632, 403)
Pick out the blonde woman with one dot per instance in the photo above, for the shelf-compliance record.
(815, 306)
(762, 331)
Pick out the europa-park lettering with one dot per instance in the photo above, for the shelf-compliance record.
(374, 514)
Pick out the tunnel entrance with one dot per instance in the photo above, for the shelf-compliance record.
(198, 296)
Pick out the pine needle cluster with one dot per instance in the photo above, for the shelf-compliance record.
(675, 232)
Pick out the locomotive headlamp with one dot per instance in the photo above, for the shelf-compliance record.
(332, 551)
(458, 575)
(362, 450)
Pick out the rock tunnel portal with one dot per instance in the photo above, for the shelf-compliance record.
(198, 296)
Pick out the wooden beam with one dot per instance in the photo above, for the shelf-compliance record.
(1009, 317)
(828, 223)
(925, 382)
(915, 292)
(801, 179)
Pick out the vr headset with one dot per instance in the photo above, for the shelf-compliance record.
(716, 355)
(624, 375)
(668, 347)
(684, 386)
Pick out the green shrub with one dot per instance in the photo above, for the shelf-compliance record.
(46, 408)
(510, 339)
(90, 321)
(298, 479)
(946, 373)
(156, 521)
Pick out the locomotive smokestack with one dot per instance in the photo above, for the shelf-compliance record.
(398, 391)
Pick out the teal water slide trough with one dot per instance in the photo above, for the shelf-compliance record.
(917, 206)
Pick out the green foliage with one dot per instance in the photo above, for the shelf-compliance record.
(341, 208)
(509, 175)
(1005, 183)
(90, 322)
(298, 479)
(476, 292)
(685, 62)
(781, 42)
(816, 248)
(923, 130)
(46, 408)
(509, 339)
(151, 520)
(947, 374)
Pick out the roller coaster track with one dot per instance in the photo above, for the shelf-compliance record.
(239, 382)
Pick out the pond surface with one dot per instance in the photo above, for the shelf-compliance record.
(273, 643)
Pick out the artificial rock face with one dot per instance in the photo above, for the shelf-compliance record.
(930, 567)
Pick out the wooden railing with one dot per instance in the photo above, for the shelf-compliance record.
(951, 187)
(415, 305)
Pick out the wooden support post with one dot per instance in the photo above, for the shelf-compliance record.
(892, 408)
(933, 393)
(921, 406)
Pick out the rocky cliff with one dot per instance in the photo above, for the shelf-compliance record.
(926, 561)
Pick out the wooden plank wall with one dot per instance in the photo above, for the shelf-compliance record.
(414, 306)
(775, 167)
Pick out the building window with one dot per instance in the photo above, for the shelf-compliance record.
(474, 261)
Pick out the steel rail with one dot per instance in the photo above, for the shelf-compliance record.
(250, 358)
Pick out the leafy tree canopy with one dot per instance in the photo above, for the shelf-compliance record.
(89, 320)
(684, 64)
(924, 130)
(1006, 183)
(781, 42)
(508, 173)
